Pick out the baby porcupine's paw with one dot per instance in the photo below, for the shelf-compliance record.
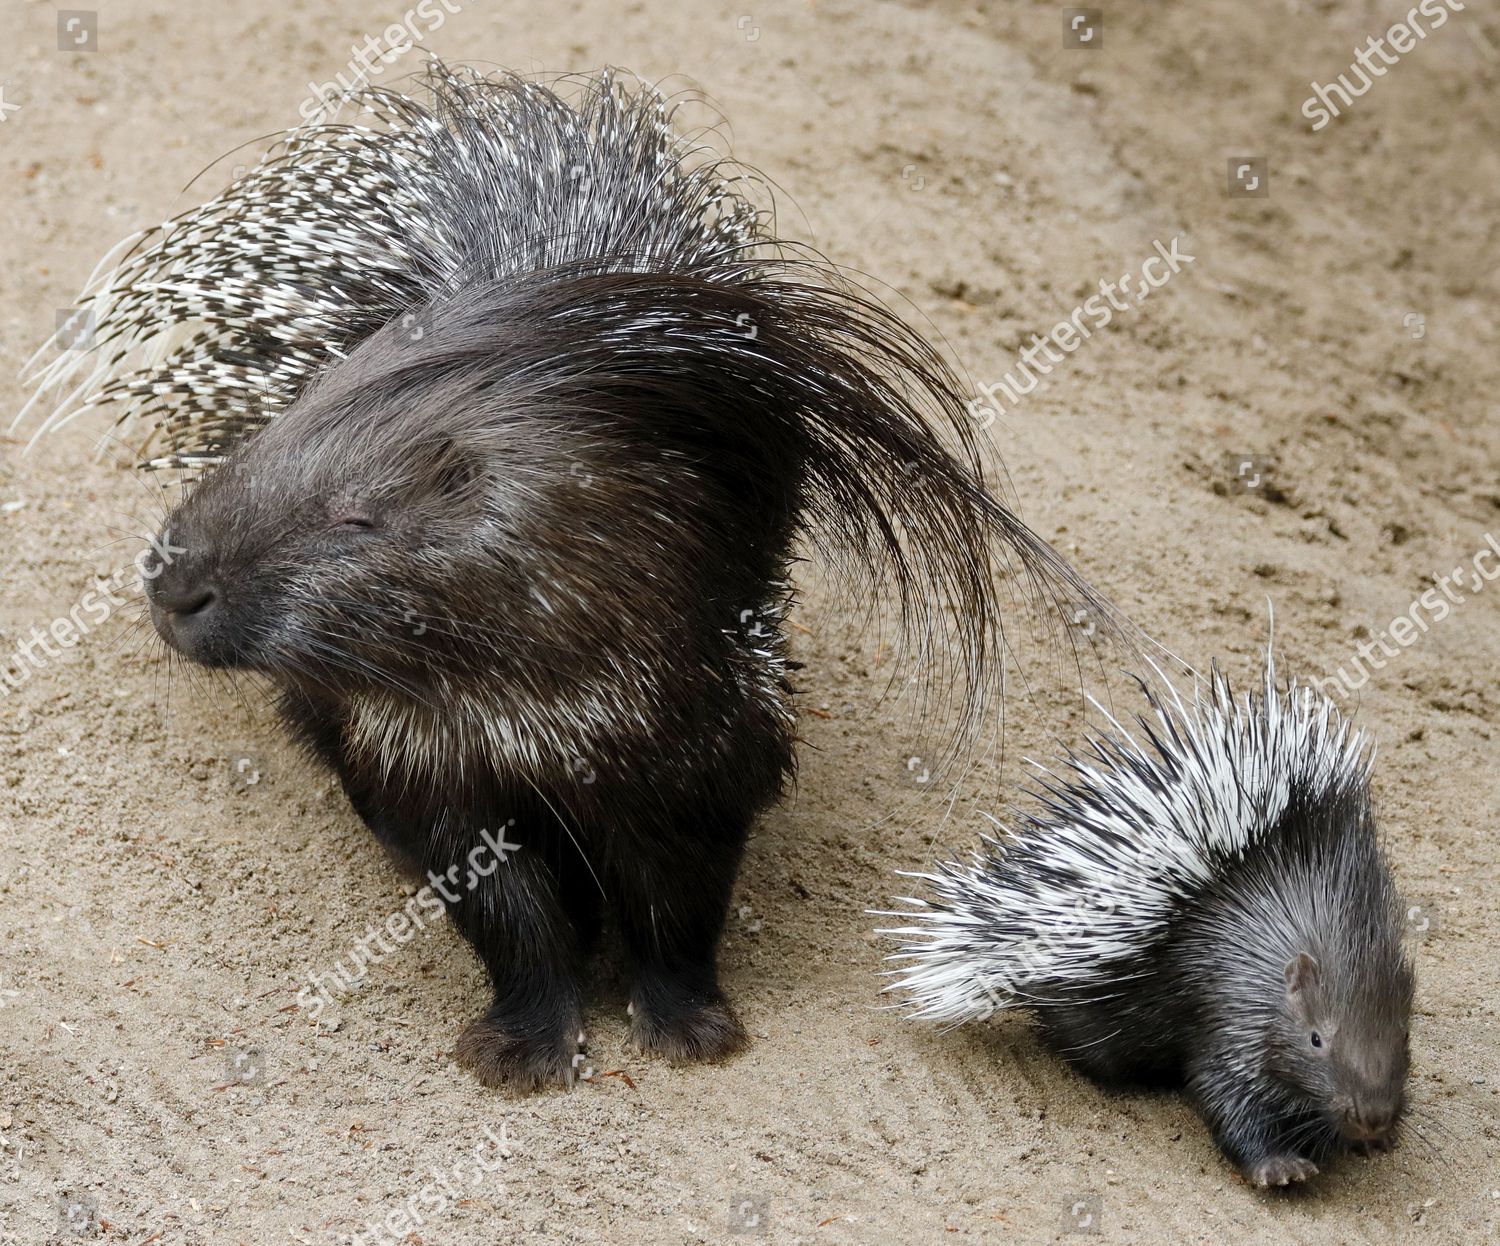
(504, 1058)
(1280, 1170)
(685, 1030)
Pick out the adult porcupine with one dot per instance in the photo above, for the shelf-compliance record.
(1207, 905)
(514, 410)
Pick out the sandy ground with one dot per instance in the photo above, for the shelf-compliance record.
(158, 914)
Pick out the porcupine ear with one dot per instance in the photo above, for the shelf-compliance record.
(1301, 973)
(443, 464)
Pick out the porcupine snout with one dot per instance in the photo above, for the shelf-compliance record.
(1370, 1115)
(183, 614)
(1368, 1124)
(187, 604)
(203, 580)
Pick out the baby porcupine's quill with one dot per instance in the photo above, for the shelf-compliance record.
(1125, 834)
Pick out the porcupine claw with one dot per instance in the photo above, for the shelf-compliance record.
(1282, 1170)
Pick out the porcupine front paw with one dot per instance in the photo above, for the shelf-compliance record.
(1280, 1170)
(504, 1056)
(684, 1027)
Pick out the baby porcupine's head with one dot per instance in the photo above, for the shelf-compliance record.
(1319, 918)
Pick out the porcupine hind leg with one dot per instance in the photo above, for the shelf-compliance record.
(670, 896)
(1248, 1119)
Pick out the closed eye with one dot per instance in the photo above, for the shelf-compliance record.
(354, 522)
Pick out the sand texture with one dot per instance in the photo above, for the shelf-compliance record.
(159, 912)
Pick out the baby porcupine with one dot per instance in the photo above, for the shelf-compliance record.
(1205, 904)
(509, 412)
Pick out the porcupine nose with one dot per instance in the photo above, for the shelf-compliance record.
(191, 601)
(1370, 1124)
(183, 612)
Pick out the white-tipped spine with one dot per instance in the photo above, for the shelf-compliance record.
(344, 225)
(1128, 831)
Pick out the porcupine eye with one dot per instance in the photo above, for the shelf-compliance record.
(1317, 1039)
(352, 519)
